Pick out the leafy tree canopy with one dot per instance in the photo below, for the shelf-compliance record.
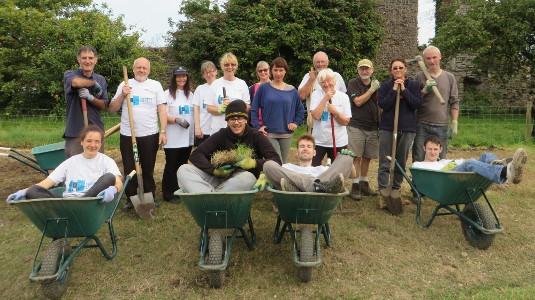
(500, 34)
(346, 30)
(38, 43)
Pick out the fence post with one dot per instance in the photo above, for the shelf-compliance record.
(529, 121)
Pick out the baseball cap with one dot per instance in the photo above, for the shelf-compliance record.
(365, 63)
(180, 71)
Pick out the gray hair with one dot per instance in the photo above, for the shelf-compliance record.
(325, 74)
(207, 65)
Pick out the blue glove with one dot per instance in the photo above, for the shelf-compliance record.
(17, 195)
(84, 94)
(97, 90)
(108, 194)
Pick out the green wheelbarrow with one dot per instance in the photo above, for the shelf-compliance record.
(221, 217)
(62, 219)
(46, 157)
(305, 209)
(457, 193)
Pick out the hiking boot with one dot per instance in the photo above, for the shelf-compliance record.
(365, 190)
(516, 167)
(503, 161)
(393, 203)
(334, 186)
(381, 200)
(355, 191)
(287, 186)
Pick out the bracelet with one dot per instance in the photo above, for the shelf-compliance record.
(162, 131)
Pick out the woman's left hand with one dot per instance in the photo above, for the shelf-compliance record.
(262, 130)
(332, 109)
(292, 126)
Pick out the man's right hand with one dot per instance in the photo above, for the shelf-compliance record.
(223, 172)
(429, 84)
(312, 73)
(83, 93)
(222, 108)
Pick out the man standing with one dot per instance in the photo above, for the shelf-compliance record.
(363, 126)
(80, 84)
(200, 176)
(309, 83)
(148, 104)
(432, 116)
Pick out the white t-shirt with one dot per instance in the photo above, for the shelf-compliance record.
(436, 165)
(204, 95)
(340, 84)
(235, 89)
(178, 136)
(80, 173)
(312, 171)
(145, 98)
(322, 128)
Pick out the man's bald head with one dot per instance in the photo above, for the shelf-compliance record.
(320, 60)
(141, 68)
(432, 58)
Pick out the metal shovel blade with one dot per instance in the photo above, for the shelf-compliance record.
(144, 205)
(393, 201)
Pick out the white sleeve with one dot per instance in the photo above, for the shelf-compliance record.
(160, 95)
(197, 97)
(60, 173)
(315, 99)
(119, 91)
(111, 166)
(245, 93)
(346, 106)
(340, 83)
(303, 81)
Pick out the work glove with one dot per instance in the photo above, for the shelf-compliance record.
(108, 194)
(97, 89)
(84, 94)
(17, 195)
(182, 122)
(375, 85)
(261, 182)
(246, 163)
(454, 127)
(347, 152)
(223, 171)
(222, 108)
(429, 84)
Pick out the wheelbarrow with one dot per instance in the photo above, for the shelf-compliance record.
(46, 157)
(453, 191)
(305, 209)
(221, 217)
(62, 219)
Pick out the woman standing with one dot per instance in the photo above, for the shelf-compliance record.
(262, 74)
(227, 88)
(204, 95)
(280, 107)
(329, 108)
(179, 132)
(410, 101)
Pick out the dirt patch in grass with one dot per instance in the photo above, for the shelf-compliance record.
(374, 255)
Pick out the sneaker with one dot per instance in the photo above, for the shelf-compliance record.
(287, 186)
(381, 200)
(334, 186)
(355, 191)
(503, 161)
(516, 167)
(365, 190)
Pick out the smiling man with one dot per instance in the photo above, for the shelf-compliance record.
(201, 177)
(83, 83)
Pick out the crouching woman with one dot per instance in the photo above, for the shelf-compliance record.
(88, 174)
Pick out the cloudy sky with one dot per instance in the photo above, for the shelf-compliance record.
(153, 17)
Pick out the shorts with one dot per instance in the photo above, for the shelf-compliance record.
(364, 143)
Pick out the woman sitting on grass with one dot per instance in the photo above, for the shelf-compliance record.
(88, 174)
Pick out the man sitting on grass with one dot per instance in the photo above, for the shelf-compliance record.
(498, 171)
(303, 177)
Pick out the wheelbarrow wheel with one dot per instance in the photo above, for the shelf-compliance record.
(483, 216)
(306, 254)
(54, 289)
(215, 257)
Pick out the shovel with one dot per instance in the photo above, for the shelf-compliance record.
(392, 197)
(112, 130)
(84, 112)
(143, 202)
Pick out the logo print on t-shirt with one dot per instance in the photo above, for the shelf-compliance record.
(184, 110)
(76, 186)
(325, 116)
(135, 100)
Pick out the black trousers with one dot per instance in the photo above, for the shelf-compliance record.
(320, 153)
(147, 149)
(105, 181)
(174, 158)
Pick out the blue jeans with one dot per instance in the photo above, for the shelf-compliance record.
(423, 131)
(483, 167)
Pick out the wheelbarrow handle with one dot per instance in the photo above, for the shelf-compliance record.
(5, 149)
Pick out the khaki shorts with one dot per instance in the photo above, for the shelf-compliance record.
(363, 143)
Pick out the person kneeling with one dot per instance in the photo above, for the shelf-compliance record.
(303, 177)
(89, 174)
(498, 171)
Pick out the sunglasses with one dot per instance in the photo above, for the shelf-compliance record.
(263, 70)
(237, 119)
(229, 65)
(398, 68)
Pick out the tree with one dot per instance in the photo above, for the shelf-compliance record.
(500, 34)
(38, 43)
(264, 29)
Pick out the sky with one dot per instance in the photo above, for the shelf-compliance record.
(153, 18)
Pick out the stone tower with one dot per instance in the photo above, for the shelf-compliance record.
(401, 30)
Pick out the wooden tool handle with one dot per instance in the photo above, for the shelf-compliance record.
(84, 112)
(422, 66)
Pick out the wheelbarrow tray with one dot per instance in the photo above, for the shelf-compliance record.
(306, 208)
(219, 210)
(49, 156)
(84, 215)
(449, 188)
